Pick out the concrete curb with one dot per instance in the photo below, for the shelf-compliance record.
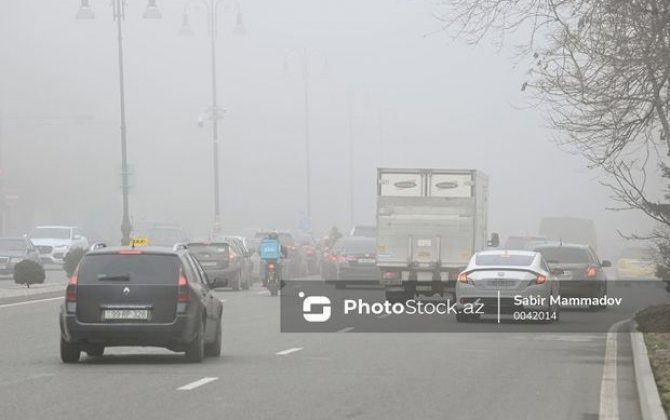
(647, 391)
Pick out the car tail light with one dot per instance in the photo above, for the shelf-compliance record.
(540, 279)
(130, 252)
(271, 267)
(343, 259)
(71, 289)
(310, 252)
(333, 259)
(391, 275)
(591, 272)
(463, 278)
(183, 290)
(232, 257)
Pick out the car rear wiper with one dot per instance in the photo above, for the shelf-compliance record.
(118, 277)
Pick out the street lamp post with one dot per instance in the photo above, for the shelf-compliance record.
(215, 113)
(119, 14)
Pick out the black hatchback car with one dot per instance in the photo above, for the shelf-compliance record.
(153, 297)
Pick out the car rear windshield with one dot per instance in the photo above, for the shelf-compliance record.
(12, 245)
(208, 250)
(356, 247)
(503, 260)
(565, 255)
(137, 269)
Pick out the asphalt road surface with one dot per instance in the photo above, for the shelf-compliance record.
(266, 374)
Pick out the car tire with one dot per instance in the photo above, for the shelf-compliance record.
(69, 352)
(195, 351)
(213, 349)
(95, 351)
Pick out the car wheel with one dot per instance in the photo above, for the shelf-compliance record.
(214, 349)
(195, 351)
(69, 352)
(95, 351)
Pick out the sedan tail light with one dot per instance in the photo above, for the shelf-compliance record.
(464, 278)
(183, 290)
(71, 289)
(591, 272)
(540, 279)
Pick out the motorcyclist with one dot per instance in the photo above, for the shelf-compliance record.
(278, 263)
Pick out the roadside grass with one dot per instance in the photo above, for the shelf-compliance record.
(654, 322)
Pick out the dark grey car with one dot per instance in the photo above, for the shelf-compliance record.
(140, 297)
(583, 274)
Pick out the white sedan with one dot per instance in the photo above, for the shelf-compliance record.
(519, 284)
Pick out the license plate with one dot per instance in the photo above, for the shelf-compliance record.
(208, 263)
(366, 260)
(125, 314)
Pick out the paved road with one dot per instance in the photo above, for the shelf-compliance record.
(266, 374)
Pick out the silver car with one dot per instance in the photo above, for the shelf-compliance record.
(516, 283)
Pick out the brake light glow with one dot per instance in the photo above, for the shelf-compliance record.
(591, 272)
(343, 259)
(131, 252)
(463, 278)
(271, 267)
(391, 275)
(71, 290)
(183, 290)
(232, 256)
(333, 259)
(540, 279)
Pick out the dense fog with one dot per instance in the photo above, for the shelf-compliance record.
(381, 74)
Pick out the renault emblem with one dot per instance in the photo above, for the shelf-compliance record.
(126, 291)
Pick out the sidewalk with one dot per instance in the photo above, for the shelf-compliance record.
(54, 285)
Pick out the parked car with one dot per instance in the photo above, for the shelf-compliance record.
(513, 274)
(353, 261)
(366, 231)
(636, 263)
(153, 297)
(54, 242)
(15, 250)
(583, 274)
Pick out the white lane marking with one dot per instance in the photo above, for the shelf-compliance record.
(383, 316)
(609, 402)
(346, 330)
(288, 351)
(199, 382)
(28, 302)
(575, 338)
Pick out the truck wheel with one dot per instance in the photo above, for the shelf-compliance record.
(69, 352)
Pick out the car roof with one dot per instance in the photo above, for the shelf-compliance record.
(153, 250)
(54, 226)
(507, 252)
(561, 245)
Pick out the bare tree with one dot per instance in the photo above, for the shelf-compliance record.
(601, 69)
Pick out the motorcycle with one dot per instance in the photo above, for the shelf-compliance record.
(272, 280)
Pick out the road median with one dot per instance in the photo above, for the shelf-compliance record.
(651, 357)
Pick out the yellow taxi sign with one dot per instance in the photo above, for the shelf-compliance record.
(139, 242)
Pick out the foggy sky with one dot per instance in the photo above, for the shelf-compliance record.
(418, 99)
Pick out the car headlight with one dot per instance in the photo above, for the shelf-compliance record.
(15, 260)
